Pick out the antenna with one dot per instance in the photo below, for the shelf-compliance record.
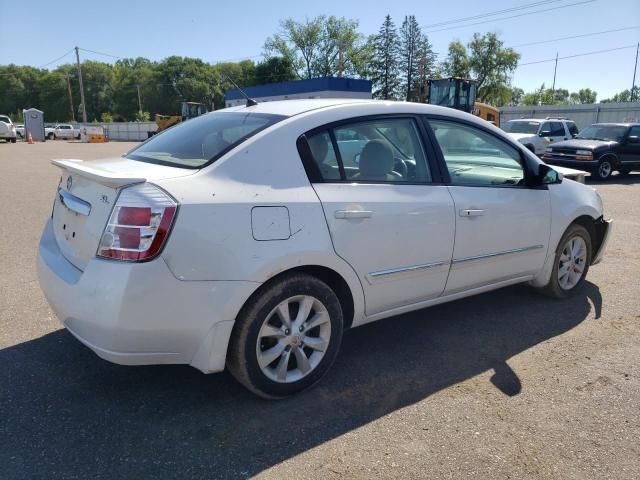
(250, 101)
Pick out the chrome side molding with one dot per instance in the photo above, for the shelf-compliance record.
(413, 268)
(74, 203)
(497, 254)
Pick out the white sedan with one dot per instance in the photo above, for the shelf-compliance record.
(251, 237)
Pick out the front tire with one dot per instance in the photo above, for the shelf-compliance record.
(571, 263)
(286, 337)
(605, 169)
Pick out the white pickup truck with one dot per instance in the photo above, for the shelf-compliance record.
(62, 130)
(7, 129)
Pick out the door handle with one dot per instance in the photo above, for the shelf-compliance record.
(352, 213)
(470, 212)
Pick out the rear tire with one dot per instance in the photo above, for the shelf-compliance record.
(274, 351)
(571, 263)
(13, 140)
(51, 136)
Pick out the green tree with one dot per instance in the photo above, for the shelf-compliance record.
(584, 95)
(275, 70)
(516, 96)
(322, 46)
(385, 73)
(142, 116)
(410, 36)
(425, 69)
(182, 79)
(457, 62)
(624, 96)
(491, 64)
(130, 76)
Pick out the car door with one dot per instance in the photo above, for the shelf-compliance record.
(387, 215)
(630, 148)
(502, 225)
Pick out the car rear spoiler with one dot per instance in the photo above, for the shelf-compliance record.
(98, 175)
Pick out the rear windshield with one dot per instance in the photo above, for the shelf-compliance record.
(521, 127)
(200, 141)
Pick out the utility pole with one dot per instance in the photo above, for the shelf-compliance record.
(139, 100)
(555, 69)
(73, 115)
(84, 109)
(633, 85)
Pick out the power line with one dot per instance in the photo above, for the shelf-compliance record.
(101, 53)
(41, 66)
(53, 61)
(594, 52)
(492, 14)
(576, 36)
(512, 16)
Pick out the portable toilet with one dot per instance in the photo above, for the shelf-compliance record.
(34, 124)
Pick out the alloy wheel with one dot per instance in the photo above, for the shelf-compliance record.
(293, 339)
(572, 262)
(604, 170)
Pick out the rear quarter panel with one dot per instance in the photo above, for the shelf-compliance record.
(213, 238)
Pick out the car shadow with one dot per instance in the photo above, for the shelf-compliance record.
(65, 413)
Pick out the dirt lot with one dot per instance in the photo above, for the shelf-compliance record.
(503, 385)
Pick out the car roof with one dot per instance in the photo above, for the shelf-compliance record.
(617, 124)
(290, 108)
(293, 107)
(540, 120)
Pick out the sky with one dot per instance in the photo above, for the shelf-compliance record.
(234, 30)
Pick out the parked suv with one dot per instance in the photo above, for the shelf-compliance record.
(536, 134)
(7, 129)
(600, 149)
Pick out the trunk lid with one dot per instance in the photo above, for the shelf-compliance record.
(86, 195)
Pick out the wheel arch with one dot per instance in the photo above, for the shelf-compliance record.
(585, 220)
(613, 158)
(331, 277)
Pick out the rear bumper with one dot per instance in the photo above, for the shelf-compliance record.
(603, 232)
(139, 313)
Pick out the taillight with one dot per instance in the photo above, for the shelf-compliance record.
(139, 224)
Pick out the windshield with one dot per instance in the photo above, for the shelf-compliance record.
(603, 132)
(197, 142)
(4, 119)
(521, 127)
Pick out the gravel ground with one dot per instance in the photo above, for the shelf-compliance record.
(503, 385)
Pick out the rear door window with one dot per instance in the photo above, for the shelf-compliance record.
(385, 150)
(557, 129)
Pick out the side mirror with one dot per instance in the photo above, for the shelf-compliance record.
(548, 176)
(633, 139)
